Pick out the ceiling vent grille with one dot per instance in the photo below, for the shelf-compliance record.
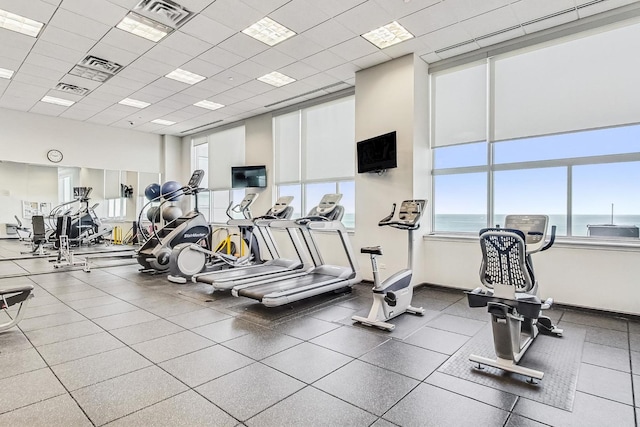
(69, 88)
(100, 64)
(163, 11)
(306, 94)
(202, 126)
(88, 73)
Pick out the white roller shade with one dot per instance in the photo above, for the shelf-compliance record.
(111, 184)
(286, 135)
(579, 84)
(226, 149)
(328, 134)
(460, 109)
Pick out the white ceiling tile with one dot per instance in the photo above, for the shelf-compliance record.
(465, 9)
(212, 85)
(299, 15)
(151, 67)
(120, 81)
(329, 33)
(334, 7)
(528, 10)
(344, 71)
(273, 59)
(127, 4)
(24, 90)
(127, 41)
(174, 86)
(228, 77)
(415, 44)
(551, 22)
(371, 60)
(64, 95)
(102, 94)
(56, 51)
(170, 104)
(98, 10)
(364, 17)
(77, 114)
(255, 87)
(459, 50)
(9, 52)
(47, 109)
(33, 9)
(65, 38)
(250, 69)
(295, 89)
(446, 37)
(16, 103)
(138, 75)
(243, 45)
(207, 29)
(298, 47)
(42, 82)
(398, 9)
(115, 93)
(78, 24)
(324, 60)
(49, 62)
(430, 58)
(497, 38)
(320, 80)
(233, 13)
(490, 22)
(357, 47)
(428, 20)
(185, 43)
(265, 6)
(94, 104)
(153, 91)
(198, 91)
(53, 2)
(16, 40)
(147, 127)
(601, 7)
(184, 99)
(203, 68)
(298, 70)
(221, 57)
(195, 5)
(112, 53)
(45, 73)
(9, 64)
(168, 56)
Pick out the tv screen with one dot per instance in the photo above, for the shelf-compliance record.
(378, 153)
(248, 176)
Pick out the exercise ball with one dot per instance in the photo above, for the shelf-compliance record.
(152, 192)
(171, 191)
(153, 214)
(170, 213)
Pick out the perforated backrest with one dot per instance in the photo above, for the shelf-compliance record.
(504, 259)
(39, 230)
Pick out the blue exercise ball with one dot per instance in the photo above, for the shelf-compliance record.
(171, 191)
(171, 213)
(152, 192)
(153, 214)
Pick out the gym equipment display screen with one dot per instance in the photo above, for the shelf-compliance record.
(377, 154)
(248, 176)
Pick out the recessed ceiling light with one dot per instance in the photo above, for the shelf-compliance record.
(185, 76)
(88, 73)
(57, 101)
(144, 27)
(388, 35)
(134, 103)
(269, 31)
(5, 74)
(20, 24)
(276, 79)
(208, 105)
(163, 122)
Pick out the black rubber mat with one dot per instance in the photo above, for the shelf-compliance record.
(558, 358)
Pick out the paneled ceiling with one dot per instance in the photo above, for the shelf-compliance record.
(322, 57)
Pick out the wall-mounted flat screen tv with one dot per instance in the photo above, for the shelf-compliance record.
(248, 176)
(378, 153)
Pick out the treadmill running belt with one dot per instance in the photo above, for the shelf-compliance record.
(239, 273)
(259, 291)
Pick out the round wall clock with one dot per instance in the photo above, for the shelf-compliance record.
(54, 156)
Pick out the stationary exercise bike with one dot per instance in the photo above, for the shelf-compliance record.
(511, 294)
(393, 297)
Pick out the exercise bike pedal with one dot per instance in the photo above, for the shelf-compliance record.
(391, 299)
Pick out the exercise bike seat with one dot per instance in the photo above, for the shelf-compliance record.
(373, 250)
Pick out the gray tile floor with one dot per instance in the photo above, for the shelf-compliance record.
(116, 347)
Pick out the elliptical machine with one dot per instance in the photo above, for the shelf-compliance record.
(512, 290)
(392, 297)
(154, 254)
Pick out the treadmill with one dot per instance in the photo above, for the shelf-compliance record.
(323, 277)
(227, 279)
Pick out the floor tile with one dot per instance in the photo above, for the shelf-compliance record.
(170, 346)
(30, 387)
(461, 308)
(93, 302)
(381, 422)
(99, 367)
(205, 365)
(355, 381)
(45, 310)
(634, 342)
(636, 390)
(227, 329)
(588, 411)
(605, 356)
(634, 327)
(117, 397)
(77, 348)
(424, 407)
(63, 332)
(607, 383)
(312, 407)
(635, 362)
(50, 320)
(405, 359)
(333, 314)
(145, 331)
(595, 320)
(437, 340)
(307, 362)
(520, 421)
(186, 409)
(18, 362)
(608, 337)
(457, 324)
(14, 340)
(262, 344)
(350, 341)
(257, 386)
(57, 411)
(197, 318)
(125, 319)
(76, 296)
(305, 328)
(484, 394)
(107, 310)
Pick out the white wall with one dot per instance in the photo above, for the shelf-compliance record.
(30, 136)
(259, 151)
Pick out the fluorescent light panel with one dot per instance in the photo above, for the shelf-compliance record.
(57, 101)
(269, 31)
(20, 24)
(144, 27)
(5, 74)
(276, 79)
(134, 103)
(163, 122)
(208, 105)
(388, 35)
(185, 76)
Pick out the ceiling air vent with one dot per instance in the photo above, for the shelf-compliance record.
(88, 73)
(306, 94)
(163, 11)
(69, 88)
(100, 64)
(201, 126)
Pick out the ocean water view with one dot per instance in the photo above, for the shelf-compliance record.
(473, 223)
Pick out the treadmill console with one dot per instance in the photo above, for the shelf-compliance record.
(281, 204)
(247, 201)
(196, 178)
(409, 215)
(328, 203)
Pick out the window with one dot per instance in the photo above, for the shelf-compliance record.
(116, 208)
(462, 202)
(314, 151)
